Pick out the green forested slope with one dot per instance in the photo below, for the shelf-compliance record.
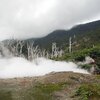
(86, 35)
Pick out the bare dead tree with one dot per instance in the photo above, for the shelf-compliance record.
(70, 44)
(29, 51)
(56, 52)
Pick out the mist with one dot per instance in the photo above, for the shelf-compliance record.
(13, 62)
(20, 67)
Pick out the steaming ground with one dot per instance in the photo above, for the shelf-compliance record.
(20, 67)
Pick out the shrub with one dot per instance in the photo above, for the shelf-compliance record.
(87, 91)
(86, 66)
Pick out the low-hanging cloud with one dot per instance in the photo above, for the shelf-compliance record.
(35, 18)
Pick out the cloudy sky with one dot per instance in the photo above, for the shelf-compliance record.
(35, 18)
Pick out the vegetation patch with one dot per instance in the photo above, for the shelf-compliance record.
(86, 66)
(45, 92)
(5, 95)
(88, 91)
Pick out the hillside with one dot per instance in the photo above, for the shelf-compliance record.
(61, 85)
(85, 35)
(85, 42)
(53, 86)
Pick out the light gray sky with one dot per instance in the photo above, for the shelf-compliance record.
(35, 18)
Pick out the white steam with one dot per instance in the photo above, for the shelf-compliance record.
(20, 67)
(12, 65)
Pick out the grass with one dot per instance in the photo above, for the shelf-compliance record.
(88, 92)
(5, 95)
(86, 66)
(97, 77)
(44, 92)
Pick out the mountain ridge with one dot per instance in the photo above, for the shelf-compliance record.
(61, 37)
(85, 35)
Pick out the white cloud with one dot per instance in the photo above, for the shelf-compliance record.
(36, 18)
